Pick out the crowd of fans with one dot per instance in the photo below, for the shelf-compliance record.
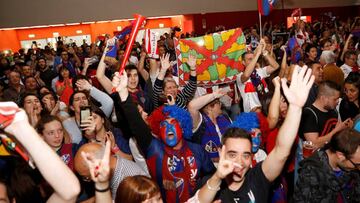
(287, 130)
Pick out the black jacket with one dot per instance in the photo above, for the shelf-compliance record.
(317, 182)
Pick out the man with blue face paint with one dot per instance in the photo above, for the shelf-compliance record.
(173, 162)
(170, 131)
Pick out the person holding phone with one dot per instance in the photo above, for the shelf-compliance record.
(97, 128)
(80, 98)
(165, 86)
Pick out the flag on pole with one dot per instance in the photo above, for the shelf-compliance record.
(266, 6)
(218, 57)
(296, 13)
(112, 44)
(151, 44)
(127, 30)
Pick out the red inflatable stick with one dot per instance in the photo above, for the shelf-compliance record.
(139, 19)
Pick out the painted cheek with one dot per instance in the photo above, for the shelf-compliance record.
(163, 132)
(179, 134)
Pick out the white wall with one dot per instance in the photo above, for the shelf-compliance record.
(16, 13)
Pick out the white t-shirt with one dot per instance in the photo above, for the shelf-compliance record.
(248, 91)
(346, 69)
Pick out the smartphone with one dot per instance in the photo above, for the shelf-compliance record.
(84, 113)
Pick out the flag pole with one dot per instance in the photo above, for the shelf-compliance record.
(261, 33)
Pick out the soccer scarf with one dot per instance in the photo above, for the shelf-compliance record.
(180, 170)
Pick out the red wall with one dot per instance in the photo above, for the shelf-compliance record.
(249, 18)
(10, 39)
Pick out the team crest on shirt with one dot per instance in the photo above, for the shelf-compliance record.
(65, 158)
(211, 147)
(174, 164)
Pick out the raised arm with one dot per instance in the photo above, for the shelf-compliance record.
(137, 125)
(85, 66)
(157, 91)
(250, 68)
(76, 58)
(100, 73)
(52, 168)
(189, 90)
(100, 174)
(346, 46)
(272, 62)
(144, 74)
(284, 65)
(273, 114)
(198, 103)
(104, 99)
(296, 94)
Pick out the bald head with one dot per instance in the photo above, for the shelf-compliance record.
(96, 149)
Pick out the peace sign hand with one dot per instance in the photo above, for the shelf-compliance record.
(99, 168)
(225, 167)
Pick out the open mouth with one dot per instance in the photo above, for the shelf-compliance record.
(170, 136)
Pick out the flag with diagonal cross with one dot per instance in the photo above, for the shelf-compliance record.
(218, 57)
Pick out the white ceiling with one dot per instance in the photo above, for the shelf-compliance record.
(17, 13)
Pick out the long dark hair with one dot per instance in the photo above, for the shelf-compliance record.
(61, 79)
(354, 79)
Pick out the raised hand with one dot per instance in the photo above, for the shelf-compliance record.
(56, 109)
(119, 82)
(165, 63)
(298, 91)
(225, 167)
(89, 126)
(219, 93)
(276, 82)
(283, 48)
(83, 84)
(192, 61)
(99, 168)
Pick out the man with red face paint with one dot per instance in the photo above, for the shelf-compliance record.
(173, 162)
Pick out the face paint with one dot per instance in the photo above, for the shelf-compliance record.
(256, 140)
(170, 132)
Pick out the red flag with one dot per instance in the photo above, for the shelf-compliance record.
(296, 13)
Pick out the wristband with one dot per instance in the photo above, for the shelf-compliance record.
(192, 69)
(102, 190)
(212, 189)
(115, 149)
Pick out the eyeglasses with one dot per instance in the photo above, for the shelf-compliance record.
(357, 165)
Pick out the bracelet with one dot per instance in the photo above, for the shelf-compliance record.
(102, 190)
(212, 189)
(115, 149)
